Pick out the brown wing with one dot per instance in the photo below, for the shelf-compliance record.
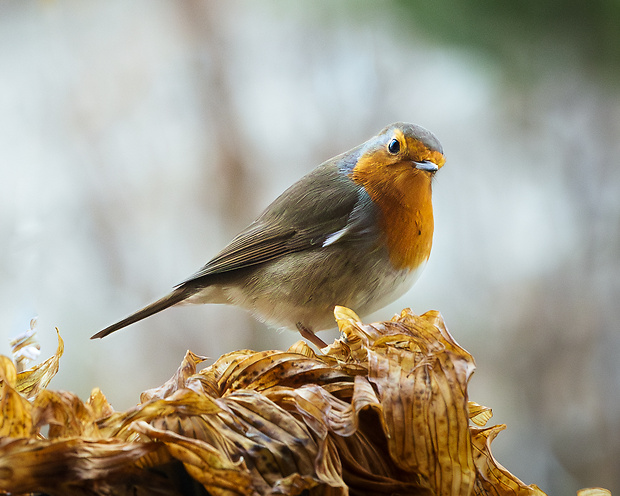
(305, 216)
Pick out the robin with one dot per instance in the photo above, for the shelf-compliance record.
(356, 231)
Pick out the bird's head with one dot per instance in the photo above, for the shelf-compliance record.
(396, 168)
(400, 157)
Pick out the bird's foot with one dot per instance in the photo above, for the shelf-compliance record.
(310, 336)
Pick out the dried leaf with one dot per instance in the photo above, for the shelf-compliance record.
(69, 466)
(25, 347)
(594, 491)
(65, 414)
(8, 371)
(219, 475)
(383, 411)
(421, 375)
(479, 414)
(177, 381)
(99, 404)
(16, 420)
(183, 402)
(492, 477)
(265, 369)
(31, 381)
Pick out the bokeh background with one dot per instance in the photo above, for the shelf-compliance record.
(137, 137)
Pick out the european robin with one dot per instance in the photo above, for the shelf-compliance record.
(356, 231)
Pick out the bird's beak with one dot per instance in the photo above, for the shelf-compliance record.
(426, 165)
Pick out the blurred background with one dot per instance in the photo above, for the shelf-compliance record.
(137, 137)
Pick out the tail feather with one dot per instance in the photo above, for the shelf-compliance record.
(178, 295)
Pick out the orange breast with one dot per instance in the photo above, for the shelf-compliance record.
(403, 195)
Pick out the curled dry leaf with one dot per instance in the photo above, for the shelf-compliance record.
(594, 491)
(479, 414)
(177, 381)
(491, 475)
(383, 410)
(71, 466)
(16, 420)
(33, 380)
(25, 347)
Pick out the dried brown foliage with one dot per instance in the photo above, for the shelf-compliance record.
(383, 411)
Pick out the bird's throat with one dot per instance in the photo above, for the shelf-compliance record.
(406, 212)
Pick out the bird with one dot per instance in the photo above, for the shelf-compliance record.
(356, 231)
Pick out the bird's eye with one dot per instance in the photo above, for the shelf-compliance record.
(394, 146)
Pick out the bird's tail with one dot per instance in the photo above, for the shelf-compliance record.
(178, 295)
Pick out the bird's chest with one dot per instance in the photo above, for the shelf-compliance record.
(403, 199)
(408, 230)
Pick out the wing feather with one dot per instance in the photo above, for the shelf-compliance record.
(304, 217)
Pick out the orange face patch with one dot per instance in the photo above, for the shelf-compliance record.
(403, 195)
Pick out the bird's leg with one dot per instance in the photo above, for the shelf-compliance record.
(310, 336)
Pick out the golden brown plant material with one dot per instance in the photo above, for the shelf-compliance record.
(383, 411)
